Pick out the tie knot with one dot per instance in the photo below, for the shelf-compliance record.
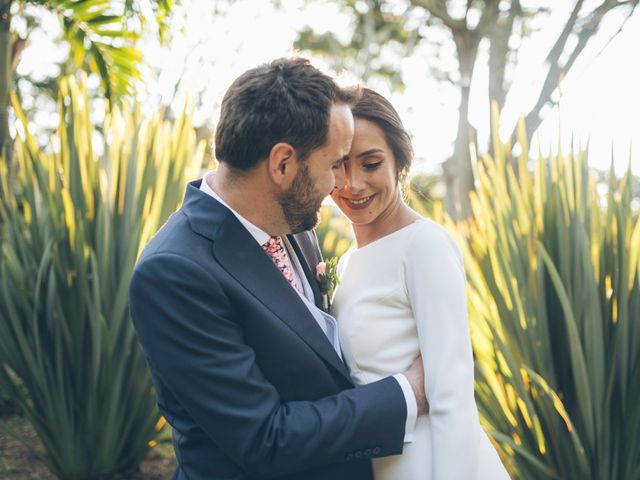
(273, 246)
(275, 249)
(271, 241)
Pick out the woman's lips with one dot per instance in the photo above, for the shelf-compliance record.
(358, 203)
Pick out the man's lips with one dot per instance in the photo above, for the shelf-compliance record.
(358, 203)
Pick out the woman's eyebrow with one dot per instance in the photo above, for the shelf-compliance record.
(369, 152)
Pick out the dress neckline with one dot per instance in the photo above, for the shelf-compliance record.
(390, 235)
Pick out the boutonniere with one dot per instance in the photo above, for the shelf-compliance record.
(327, 280)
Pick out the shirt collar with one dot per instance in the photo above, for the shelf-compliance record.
(260, 235)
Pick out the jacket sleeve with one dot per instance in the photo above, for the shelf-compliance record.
(186, 326)
(435, 283)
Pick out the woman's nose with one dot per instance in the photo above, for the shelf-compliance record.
(353, 180)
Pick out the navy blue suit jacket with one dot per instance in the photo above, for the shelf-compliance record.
(243, 373)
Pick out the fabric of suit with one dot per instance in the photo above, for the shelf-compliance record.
(243, 373)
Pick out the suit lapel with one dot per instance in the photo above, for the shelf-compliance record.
(241, 256)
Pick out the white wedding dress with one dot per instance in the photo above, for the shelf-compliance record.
(399, 296)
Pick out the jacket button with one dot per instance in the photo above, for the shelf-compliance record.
(367, 452)
(377, 450)
(358, 454)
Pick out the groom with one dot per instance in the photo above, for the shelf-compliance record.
(247, 368)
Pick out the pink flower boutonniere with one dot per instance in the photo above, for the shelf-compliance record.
(327, 280)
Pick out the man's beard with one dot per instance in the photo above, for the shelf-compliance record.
(301, 203)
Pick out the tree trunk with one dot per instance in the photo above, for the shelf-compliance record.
(499, 55)
(368, 34)
(5, 82)
(582, 30)
(458, 170)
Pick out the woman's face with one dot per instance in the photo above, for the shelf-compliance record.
(371, 186)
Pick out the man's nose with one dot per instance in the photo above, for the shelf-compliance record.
(339, 177)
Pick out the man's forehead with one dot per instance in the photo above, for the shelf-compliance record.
(341, 121)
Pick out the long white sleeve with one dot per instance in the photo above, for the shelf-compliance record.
(435, 283)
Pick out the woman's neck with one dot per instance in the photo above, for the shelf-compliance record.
(392, 219)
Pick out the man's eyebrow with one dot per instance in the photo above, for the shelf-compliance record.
(369, 152)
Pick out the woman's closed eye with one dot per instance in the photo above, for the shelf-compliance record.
(371, 166)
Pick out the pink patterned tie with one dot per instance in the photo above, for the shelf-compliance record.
(275, 249)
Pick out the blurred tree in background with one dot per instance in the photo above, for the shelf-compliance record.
(101, 35)
(385, 31)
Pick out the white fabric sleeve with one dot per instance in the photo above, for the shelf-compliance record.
(435, 282)
(412, 407)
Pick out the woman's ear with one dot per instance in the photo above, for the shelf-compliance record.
(282, 164)
(402, 173)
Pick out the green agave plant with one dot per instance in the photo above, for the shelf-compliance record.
(334, 232)
(74, 224)
(421, 196)
(554, 302)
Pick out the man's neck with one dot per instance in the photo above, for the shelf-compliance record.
(248, 196)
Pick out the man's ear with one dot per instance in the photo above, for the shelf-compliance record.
(282, 164)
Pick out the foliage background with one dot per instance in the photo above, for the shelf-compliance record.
(551, 249)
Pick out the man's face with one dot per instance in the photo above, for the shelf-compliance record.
(319, 173)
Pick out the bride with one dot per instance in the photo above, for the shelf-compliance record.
(401, 294)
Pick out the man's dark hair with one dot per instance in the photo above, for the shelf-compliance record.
(287, 100)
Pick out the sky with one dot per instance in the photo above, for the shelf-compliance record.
(600, 98)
